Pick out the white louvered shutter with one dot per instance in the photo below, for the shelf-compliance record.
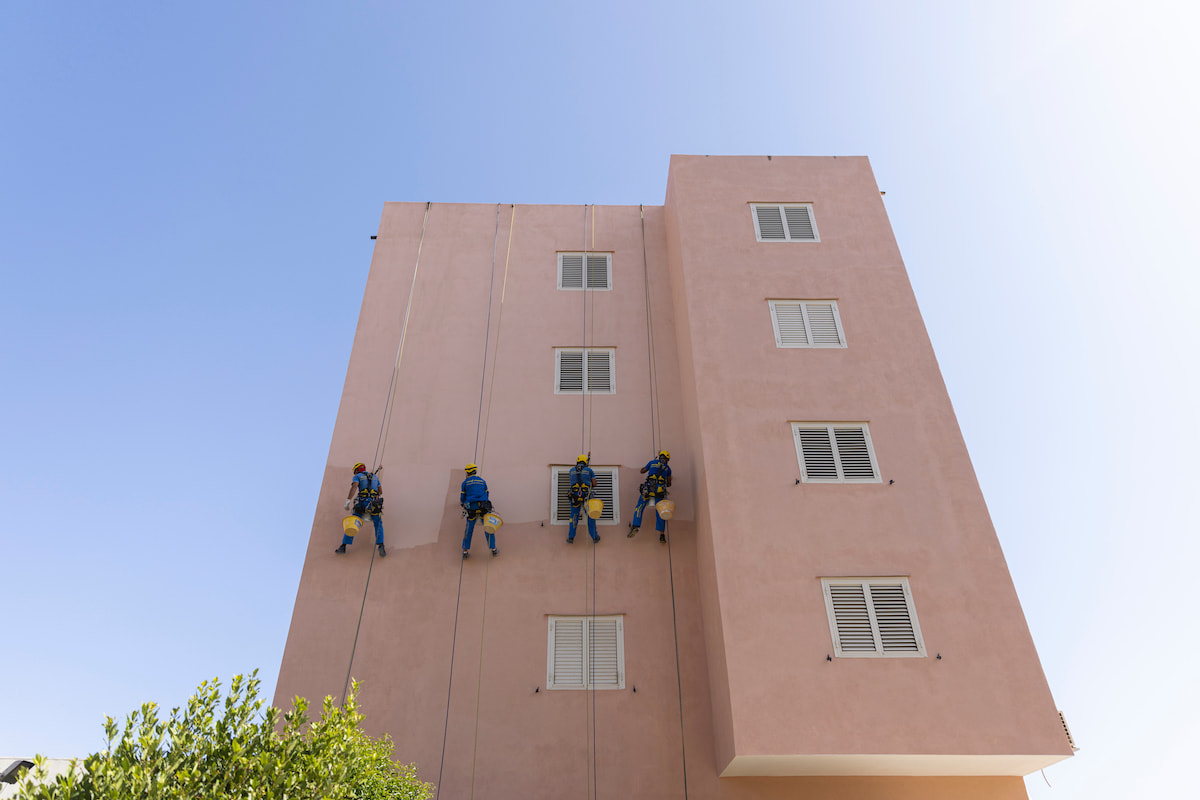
(790, 330)
(603, 643)
(896, 632)
(600, 371)
(770, 223)
(816, 449)
(566, 659)
(822, 323)
(562, 495)
(605, 480)
(799, 224)
(570, 271)
(570, 371)
(852, 620)
(606, 489)
(598, 271)
(854, 455)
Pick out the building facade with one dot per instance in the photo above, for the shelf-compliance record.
(832, 615)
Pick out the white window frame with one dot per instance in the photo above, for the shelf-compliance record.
(587, 624)
(787, 233)
(612, 369)
(804, 304)
(584, 273)
(615, 505)
(830, 426)
(879, 652)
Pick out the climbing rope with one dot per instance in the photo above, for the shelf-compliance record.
(656, 410)
(479, 683)
(487, 331)
(381, 443)
(450, 685)
(499, 320)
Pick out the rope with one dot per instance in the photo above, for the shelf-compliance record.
(649, 334)
(678, 676)
(487, 332)
(450, 685)
(499, 320)
(591, 669)
(479, 683)
(381, 442)
(381, 446)
(583, 357)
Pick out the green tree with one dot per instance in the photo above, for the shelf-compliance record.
(215, 749)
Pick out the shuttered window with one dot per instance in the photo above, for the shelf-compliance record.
(571, 272)
(575, 368)
(586, 653)
(784, 222)
(806, 323)
(606, 490)
(835, 452)
(871, 617)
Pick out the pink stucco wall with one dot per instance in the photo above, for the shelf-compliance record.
(748, 546)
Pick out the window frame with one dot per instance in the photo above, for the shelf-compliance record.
(615, 505)
(612, 369)
(837, 321)
(830, 426)
(879, 652)
(787, 231)
(587, 620)
(608, 265)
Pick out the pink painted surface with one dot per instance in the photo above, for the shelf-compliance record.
(748, 547)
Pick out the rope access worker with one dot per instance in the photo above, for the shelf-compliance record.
(366, 495)
(658, 478)
(473, 497)
(583, 481)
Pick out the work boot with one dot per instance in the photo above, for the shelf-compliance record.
(596, 540)
(466, 553)
(570, 540)
(632, 531)
(341, 549)
(495, 552)
(662, 537)
(382, 551)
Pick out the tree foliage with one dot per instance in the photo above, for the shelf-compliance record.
(217, 749)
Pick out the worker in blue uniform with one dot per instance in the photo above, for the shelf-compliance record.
(473, 497)
(366, 497)
(658, 478)
(583, 481)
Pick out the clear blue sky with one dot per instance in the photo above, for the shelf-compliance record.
(186, 196)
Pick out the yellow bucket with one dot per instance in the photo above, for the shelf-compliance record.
(351, 525)
(666, 508)
(595, 507)
(492, 522)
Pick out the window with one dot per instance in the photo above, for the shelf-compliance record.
(835, 452)
(599, 270)
(872, 617)
(576, 367)
(597, 642)
(806, 323)
(606, 490)
(784, 223)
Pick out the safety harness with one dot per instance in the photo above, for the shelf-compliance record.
(655, 485)
(369, 499)
(580, 491)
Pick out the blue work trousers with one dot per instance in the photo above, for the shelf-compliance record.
(575, 512)
(474, 513)
(660, 524)
(361, 511)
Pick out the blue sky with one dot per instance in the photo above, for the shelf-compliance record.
(186, 200)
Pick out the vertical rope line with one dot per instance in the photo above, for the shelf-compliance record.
(583, 393)
(382, 445)
(678, 675)
(487, 332)
(479, 682)
(354, 647)
(587, 708)
(381, 442)
(499, 321)
(450, 685)
(649, 339)
(592, 669)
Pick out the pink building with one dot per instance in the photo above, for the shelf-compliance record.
(832, 617)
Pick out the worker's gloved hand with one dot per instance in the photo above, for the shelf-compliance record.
(347, 506)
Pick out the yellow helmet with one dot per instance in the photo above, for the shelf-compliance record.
(471, 468)
(360, 467)
(664, 454)
(583, 459)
